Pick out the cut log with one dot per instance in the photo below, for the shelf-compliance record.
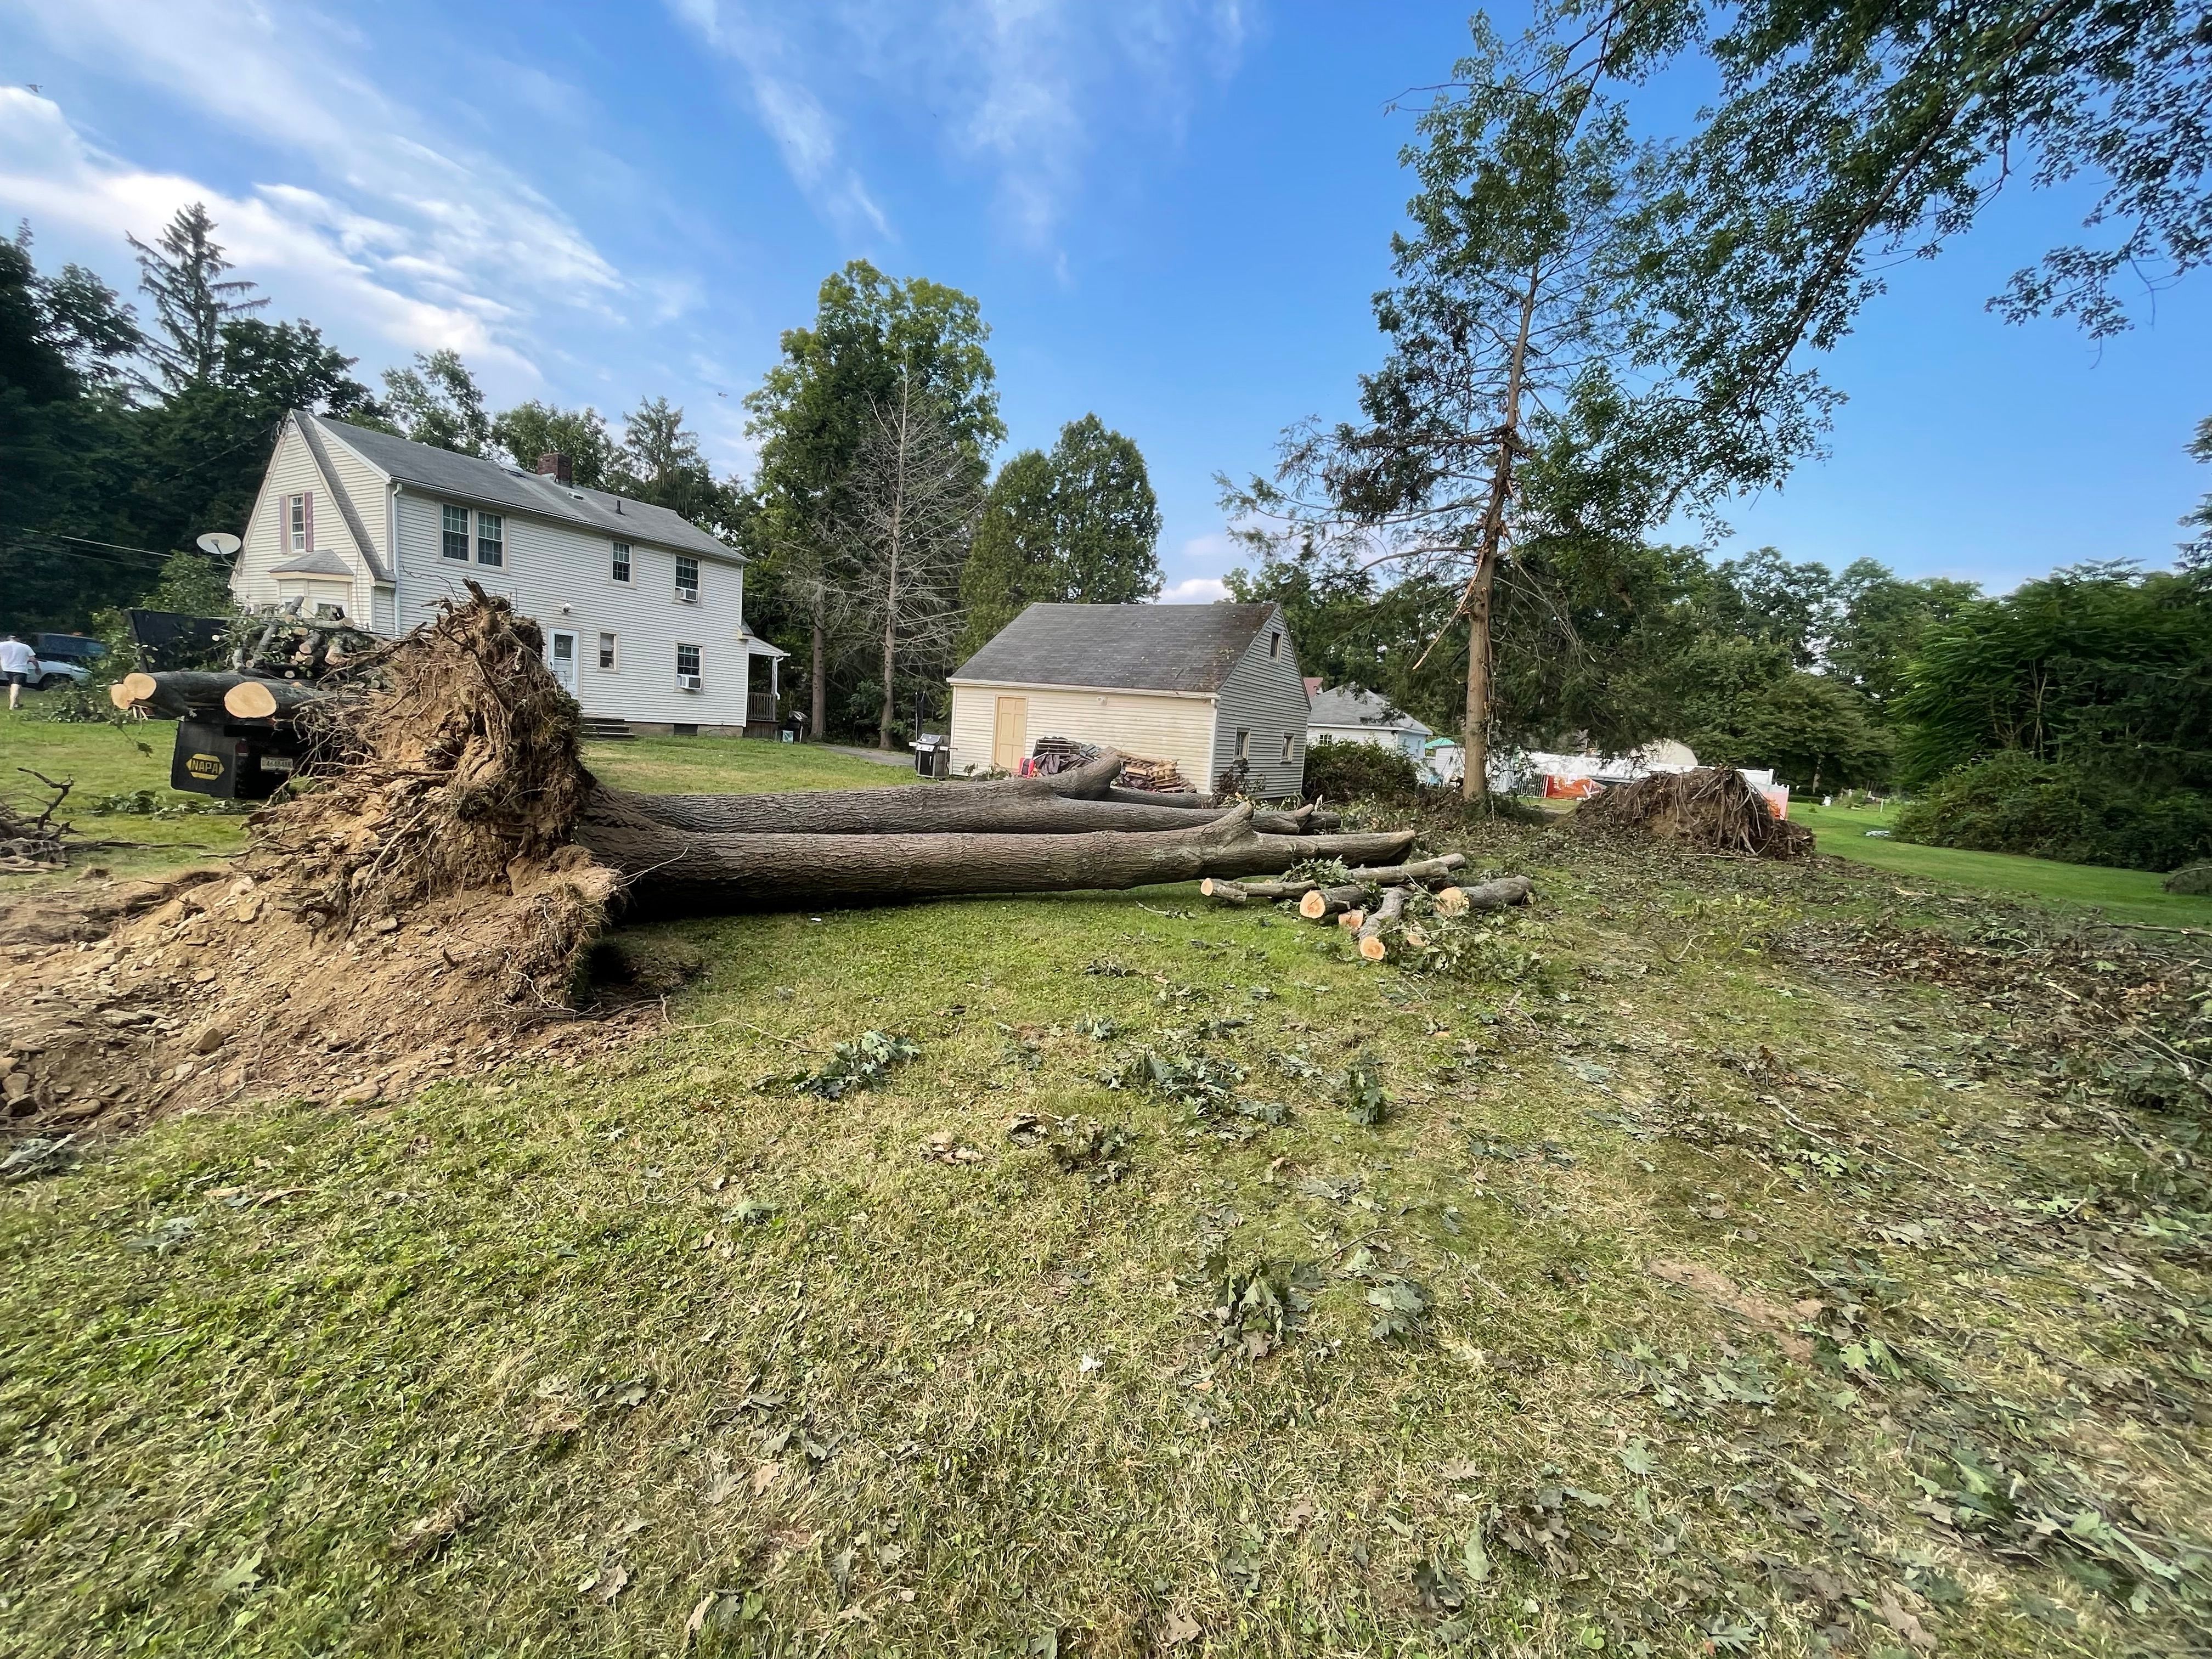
(1488, 896)
(180, 691)
(670, 871)
(1427, 872)
(264, 700)
(118, 696)
(1222, 891)
(1353, 920)
(1371, 947)
(1322, 903)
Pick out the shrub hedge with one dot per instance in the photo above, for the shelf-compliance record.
(2012, 802)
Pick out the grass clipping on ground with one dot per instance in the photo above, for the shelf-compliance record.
(419, 898)
(1714, 807)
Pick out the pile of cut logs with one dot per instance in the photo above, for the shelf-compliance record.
(1371, 903)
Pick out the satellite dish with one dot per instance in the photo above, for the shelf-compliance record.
(221, 542)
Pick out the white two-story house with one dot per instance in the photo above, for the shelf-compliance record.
(643, 612)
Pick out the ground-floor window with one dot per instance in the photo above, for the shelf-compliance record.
(1243, 744)
(1289, 738)
(687, 662)
(607, 653)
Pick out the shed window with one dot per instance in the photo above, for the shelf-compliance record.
(1289, 738)
(687, 579)
(457, 533)
(1274, 645)
(1243, 744)
(491, 538)
(622, 562)
(607, 653)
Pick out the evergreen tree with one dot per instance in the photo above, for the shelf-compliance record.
(182, 272)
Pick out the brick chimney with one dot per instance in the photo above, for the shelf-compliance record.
(557, 467)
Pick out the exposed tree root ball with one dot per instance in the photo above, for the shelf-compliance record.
(1713, 807)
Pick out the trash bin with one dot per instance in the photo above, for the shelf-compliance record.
(933, 756)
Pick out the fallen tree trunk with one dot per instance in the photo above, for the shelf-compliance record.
(1425, 872)
(179, 692)
(264, 700)
(668, 871)
(1012, 806)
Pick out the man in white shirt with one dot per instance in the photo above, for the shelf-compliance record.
(18, 666)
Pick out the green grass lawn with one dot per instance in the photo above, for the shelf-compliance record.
(732, 766)
(1676, 1291)
(2122, 895)
(108, 760)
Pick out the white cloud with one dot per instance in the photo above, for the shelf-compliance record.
(331, 261)
(1194, 590)
(1028, 88)
(794, 118)
(381, 212)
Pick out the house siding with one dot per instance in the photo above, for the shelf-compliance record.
(1411, 745)
(292, 470)
(548, 565)
(1265, 696)
(1156, 725)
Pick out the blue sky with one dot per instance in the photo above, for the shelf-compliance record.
(1173, 212)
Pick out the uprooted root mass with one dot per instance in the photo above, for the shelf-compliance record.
(1714, 808)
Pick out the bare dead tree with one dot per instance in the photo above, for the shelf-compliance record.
(913, 496)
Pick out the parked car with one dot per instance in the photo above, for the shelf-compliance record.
(56, 671)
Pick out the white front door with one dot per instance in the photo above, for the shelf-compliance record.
(564, 660)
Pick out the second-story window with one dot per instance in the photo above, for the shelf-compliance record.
(687, 579)
(295, 523)
(1289, 738)
(1274, 645)
(456, 535)
(491, 538)
(1244, 746)
(622, 562)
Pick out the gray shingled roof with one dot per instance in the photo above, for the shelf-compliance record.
(1137, 648)
(1335, 707)
(321, 562)
(494, 483)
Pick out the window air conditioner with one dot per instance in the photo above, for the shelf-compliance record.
(690, 682)
(687, 596)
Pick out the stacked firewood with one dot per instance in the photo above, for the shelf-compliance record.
(1154, 777)
(1371, 903)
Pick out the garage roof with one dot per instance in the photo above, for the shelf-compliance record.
(1136, 648)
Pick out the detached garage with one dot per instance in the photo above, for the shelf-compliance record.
(1202, 685)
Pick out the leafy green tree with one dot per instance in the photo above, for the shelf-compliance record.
(1015, 560)
(2196, 551)
(182, 272)
(1079, 526)
(1882, 620)
(66, 438)
(1845, 139)
(205, 448)
(2099, 666)
(192, 584)
(435, 400)
(532, 429)
(1520, 344)
(813, 412)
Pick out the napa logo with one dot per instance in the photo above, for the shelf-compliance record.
(203, 766)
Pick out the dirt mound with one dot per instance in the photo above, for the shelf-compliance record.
(1713, 809)
(417, 908)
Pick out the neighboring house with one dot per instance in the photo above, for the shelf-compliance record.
(1202, 685)
(643, 612)
(1362, 717)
